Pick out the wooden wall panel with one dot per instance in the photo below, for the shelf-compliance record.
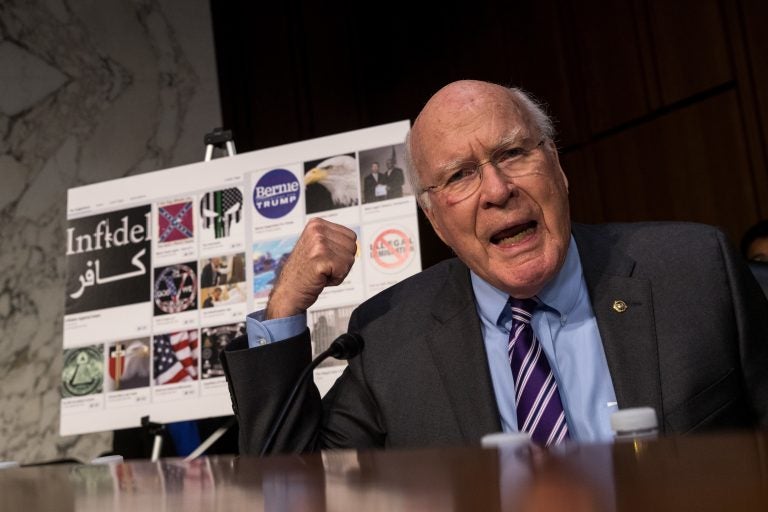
(540, 62)
(755, 20)
(662, 106)
(330, 71)
(690, 165)
(751, 41)
(690, 47)
(585, 190)
(262, 92)
(609, 55)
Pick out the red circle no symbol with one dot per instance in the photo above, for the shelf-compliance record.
(392, 249)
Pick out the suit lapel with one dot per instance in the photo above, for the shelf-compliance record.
(623, 307)
(459, 353)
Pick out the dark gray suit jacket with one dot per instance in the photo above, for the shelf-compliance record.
(692, 343)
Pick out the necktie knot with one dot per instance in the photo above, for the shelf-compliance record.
(527, 305)
(522, 309)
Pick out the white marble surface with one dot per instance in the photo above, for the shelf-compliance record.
(89, 91)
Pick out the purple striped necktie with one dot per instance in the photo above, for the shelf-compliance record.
(539, 409)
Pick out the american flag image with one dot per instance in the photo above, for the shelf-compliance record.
(176, 357)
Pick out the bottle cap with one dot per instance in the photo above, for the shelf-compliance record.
(634, 419)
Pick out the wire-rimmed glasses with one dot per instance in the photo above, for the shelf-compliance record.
(463, 179)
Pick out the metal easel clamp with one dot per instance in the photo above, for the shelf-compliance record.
(219, 138)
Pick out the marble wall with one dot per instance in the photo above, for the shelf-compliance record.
(89, 91)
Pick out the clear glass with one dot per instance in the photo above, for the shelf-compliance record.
(463, 179)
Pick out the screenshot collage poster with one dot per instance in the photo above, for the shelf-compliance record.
(162, 269)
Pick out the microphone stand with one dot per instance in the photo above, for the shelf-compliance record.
(346, 346)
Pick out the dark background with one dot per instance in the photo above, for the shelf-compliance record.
(661, 105)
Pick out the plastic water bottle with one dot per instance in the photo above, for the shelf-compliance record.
(635, 423)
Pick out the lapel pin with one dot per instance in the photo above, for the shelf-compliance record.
(619, 306)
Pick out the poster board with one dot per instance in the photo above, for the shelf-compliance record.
(162, 269)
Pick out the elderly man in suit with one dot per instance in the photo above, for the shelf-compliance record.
(395, 180)
(539, 325)
(374, 185)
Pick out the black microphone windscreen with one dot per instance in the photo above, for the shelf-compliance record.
(347, 346)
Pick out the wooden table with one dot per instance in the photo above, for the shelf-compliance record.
(713, 472)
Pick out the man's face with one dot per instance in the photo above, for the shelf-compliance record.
(512, 233)
(215, 262)
(375, 167)
(758, 250)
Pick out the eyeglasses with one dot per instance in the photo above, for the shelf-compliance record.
(463, 180)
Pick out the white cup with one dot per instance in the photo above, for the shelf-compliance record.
(108, 459)
(499, 439)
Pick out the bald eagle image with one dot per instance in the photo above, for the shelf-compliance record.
(332, 184)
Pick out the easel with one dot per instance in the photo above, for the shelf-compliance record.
(218, 138)
(156, 429)
(221, 139)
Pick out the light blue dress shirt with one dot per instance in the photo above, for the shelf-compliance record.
(260, 331)
(566, 328)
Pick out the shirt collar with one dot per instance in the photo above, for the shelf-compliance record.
(560, 294)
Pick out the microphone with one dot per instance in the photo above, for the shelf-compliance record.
(346, 346)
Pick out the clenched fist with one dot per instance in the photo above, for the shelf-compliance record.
(323, 256)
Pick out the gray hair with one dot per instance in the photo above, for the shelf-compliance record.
(535, 109)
